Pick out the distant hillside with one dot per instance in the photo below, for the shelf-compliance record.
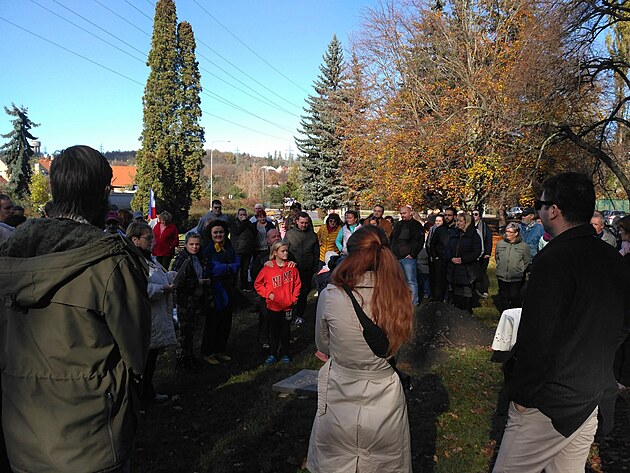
(121, 156)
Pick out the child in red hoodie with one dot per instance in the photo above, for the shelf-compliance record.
(279, 284)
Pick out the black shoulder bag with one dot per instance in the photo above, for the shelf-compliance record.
(376, 339)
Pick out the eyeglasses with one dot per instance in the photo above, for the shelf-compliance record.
(217, 207)
(476, 214)
(538, 204)
(510, 231)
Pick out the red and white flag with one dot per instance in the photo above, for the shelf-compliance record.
(152, 212)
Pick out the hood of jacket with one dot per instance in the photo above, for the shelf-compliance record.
(43, 255)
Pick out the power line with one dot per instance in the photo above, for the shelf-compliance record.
(72, 52)
(254, 52)
(125, 19)
(216, 96)
(135, 81)
(264, 99)
(269, 101)
(247, 75)
(247, 128)
(102, 29)
(89, 32)
(238, 107)
(137, 9)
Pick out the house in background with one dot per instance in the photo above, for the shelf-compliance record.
(124, 177)
(42, 166)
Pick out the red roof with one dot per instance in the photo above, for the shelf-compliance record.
(45, 164)
(123, 176)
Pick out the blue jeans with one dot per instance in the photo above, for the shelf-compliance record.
(409, 268)
(423, 284)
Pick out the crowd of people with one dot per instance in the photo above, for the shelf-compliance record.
(90, 295)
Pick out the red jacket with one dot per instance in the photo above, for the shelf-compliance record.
(283, 282)
(165, 241)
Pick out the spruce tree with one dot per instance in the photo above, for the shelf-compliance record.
(191, 134)
(157, 158)
(321, 127)
(17, 153)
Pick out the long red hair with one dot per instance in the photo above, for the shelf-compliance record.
(392, 308)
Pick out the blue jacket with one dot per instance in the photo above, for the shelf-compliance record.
(223, 268)
(531, 235)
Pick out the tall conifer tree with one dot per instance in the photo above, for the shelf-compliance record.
(191, 134)
(321, 129)
(156, 160)
(17, 152)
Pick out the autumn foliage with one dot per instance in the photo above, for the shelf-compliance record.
(458, 102)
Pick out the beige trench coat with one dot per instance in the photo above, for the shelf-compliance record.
(361, 423)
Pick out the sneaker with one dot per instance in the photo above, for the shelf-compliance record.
(298, 321)
(484, 295)
(247, 289)
(285, 359)
(270, 360)
(160, 398)
(265, 346)
(223, 357)
(212, 360)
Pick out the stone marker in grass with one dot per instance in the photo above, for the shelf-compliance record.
(304, 382)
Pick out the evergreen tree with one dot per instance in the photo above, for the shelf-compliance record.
(17, 153)
(157, 163)
(322, 131)
(189, 111)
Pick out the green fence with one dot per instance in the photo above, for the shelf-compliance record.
(613, 204)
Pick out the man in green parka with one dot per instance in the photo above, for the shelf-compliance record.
(74, 329)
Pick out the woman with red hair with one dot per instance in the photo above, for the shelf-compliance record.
(361, 422)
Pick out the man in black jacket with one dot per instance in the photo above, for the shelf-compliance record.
(575, 313)
(484, 232)
(407, 241)
(437, 254)
(304, 247)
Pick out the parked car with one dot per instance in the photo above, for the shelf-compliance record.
(514, 212)
(613, 216)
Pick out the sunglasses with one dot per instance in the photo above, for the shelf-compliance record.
(538, 204)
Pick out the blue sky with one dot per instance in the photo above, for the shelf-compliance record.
(85, 91)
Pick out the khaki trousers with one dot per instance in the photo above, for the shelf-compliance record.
(530, 444)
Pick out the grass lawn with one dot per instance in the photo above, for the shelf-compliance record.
(472, 382)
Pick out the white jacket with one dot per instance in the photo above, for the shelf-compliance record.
(162, 329)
